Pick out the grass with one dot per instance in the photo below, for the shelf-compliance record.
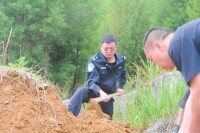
(141, 108)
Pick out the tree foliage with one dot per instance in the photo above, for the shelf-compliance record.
(60, 35)
(132, 18)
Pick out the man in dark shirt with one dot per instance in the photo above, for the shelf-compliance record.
(104, 70)
(180, 49)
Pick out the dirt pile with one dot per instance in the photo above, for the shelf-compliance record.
(30, 105)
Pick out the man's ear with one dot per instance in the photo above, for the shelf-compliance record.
(158, 46)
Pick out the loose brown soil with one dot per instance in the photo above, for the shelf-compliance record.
(28, 105)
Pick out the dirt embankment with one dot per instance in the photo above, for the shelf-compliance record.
(29, 105)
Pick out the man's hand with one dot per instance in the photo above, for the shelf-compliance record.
(176, 129)
(120, 91)
(104, 96)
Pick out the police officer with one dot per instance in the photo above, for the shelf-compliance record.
(105, 72)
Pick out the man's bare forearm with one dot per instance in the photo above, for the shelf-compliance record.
(191, 120)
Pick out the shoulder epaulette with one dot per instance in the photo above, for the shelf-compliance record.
(95, 58)
(124, 57)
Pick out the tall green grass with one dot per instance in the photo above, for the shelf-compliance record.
(142, 108)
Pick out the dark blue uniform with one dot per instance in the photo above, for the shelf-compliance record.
(100, 75)
(184, 49)
(185, 98)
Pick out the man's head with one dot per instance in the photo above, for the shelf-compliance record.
(108, 46)
(155, 46)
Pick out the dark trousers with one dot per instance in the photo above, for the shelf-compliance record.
(185, 98)
(83, 94)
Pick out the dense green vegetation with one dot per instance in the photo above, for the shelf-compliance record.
(55, 38)
(59, 36)
(141, 108)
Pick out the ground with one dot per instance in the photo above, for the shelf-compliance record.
(30, 105)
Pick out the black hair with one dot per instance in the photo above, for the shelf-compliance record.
(108, 39)
(158, 33)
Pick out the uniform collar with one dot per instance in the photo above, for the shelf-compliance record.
(103, 58)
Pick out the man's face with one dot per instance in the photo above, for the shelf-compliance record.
(159, 55)
(108, 49)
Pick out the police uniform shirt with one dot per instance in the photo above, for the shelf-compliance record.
(103, 75)
(184, 49)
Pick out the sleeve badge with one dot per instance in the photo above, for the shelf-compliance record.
(90, 67)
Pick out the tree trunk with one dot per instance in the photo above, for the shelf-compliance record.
(46, 70)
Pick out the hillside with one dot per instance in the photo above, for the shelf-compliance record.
(30, 105)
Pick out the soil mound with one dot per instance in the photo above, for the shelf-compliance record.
(30, 105)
